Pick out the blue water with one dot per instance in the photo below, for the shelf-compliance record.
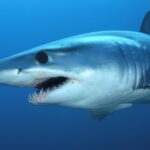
(28, 23)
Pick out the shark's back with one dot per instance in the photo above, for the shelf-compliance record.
(97, 37)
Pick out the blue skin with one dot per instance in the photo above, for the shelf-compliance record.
(126, 52)
(105, 71)
(92, 54)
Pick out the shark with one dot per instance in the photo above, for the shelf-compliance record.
(102, 72)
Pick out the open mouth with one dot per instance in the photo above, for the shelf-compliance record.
(52, 83)
(46, 87)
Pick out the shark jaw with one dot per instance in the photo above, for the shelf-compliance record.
(45, 87)
(52, 86)
(84, 88)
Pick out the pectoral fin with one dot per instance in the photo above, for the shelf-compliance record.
(100, 114)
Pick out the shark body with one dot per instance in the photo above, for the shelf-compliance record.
(102, 71)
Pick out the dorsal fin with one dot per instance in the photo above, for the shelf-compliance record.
(145, 27)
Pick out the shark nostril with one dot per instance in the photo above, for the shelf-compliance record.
(19, 70)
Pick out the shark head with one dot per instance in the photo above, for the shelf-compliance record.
(72, 72)
(102, 71)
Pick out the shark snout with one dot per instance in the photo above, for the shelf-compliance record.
(13, 70)
(19, 70)
(11, 77)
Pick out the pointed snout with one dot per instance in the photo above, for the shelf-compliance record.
(11, 71)
(21, 72)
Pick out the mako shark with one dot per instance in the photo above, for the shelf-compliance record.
(102, 72)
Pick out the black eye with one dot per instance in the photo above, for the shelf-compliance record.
(42, 57)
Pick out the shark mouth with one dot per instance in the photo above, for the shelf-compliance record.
(47, 86)
(52, 83)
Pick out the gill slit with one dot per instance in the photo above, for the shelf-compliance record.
(126, 62)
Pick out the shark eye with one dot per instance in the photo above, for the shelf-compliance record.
(42, 57)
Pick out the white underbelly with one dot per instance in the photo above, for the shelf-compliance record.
(116, 98)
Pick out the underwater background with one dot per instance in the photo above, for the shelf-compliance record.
(28, 23)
